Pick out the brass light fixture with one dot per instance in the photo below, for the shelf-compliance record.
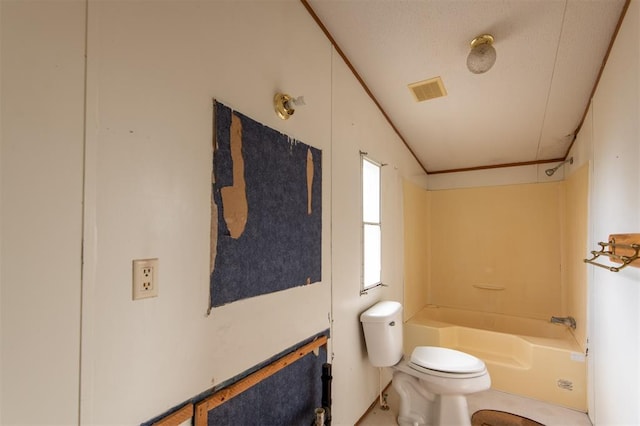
(482, 55)
(285, 104)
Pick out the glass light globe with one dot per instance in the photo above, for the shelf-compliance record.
(481, 58)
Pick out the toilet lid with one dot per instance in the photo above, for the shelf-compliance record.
(447, 360)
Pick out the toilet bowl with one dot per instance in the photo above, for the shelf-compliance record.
(433, 383)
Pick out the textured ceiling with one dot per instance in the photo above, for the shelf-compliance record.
(525, 109)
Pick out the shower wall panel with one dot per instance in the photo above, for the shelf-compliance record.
(498, 249)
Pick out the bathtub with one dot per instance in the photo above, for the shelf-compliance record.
(527, 357)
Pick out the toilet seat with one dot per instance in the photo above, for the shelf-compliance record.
(445, 362)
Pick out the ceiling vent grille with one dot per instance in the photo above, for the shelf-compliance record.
(428, 89)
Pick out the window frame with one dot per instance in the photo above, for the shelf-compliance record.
(364, 288)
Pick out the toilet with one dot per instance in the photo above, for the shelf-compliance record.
(433, 382)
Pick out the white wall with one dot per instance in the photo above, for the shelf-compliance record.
(143, 190)
(610, 138)
(42, 103)
(154, 68)
(359, 126)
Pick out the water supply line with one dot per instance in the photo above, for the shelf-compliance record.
(384, 406)
(319, 417)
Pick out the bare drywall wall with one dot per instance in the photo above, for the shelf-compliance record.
(614, 332)
(42, 83)
(357, 125)
(154, 69)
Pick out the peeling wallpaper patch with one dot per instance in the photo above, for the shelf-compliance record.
(267, 196)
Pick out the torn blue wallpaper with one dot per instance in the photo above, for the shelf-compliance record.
(266, 210)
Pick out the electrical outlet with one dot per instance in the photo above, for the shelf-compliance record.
(145, 278)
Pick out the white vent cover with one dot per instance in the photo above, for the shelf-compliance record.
(428, 89)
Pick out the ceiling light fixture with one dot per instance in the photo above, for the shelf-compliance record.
(482, 55)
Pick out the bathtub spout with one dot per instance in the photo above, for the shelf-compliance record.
(568, 321)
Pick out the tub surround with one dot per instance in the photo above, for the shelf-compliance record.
(489, 238)
(575, 231)
(508, 249)
(526, 357)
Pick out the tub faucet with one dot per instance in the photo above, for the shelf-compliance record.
(568, 321)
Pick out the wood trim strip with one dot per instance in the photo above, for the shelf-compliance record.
(326, 32)
(177, 417)
(497, 166)
(595, 85)
(223, 395)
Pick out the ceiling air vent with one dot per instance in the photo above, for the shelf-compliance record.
(428, 89)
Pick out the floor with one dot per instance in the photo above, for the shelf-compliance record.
(547, 414)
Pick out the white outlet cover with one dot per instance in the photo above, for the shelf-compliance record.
(145, 278)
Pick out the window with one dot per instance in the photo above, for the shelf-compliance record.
(371, 224)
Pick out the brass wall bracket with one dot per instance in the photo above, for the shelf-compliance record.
(618, 249)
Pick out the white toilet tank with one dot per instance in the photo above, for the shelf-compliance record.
(382, 325)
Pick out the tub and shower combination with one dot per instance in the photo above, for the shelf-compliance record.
(528, 357)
